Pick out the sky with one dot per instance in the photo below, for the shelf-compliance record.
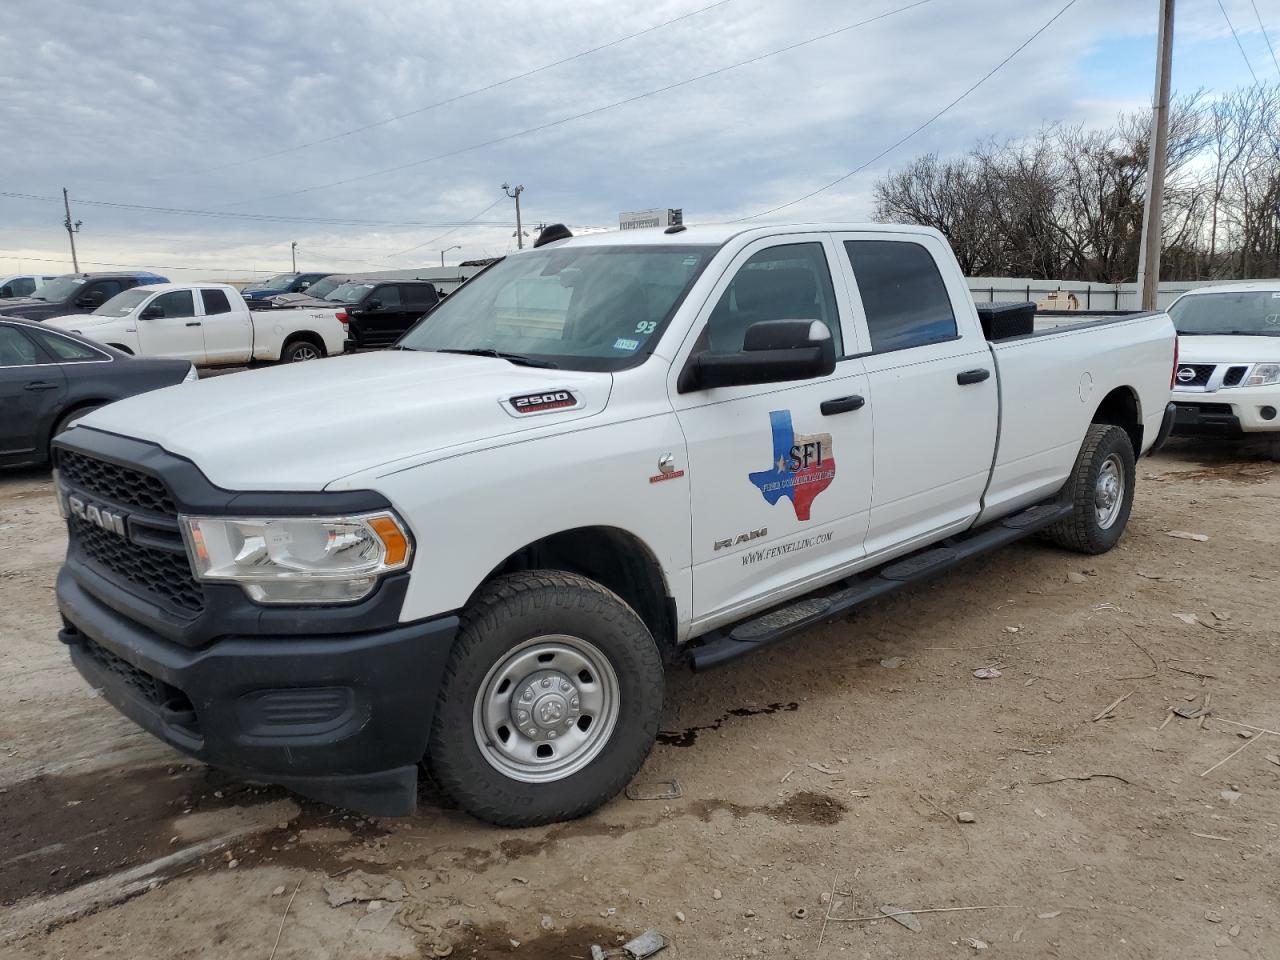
(252, 126)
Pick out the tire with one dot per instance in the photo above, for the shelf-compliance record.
(1097, 519)
(297, 351)
(568, 644)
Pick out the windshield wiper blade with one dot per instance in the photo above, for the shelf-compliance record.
(516, 358)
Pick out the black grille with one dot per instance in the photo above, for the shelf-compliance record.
(151, 689)
(1234, 376)
(163, 573)
(1203, 371)
(119, 484)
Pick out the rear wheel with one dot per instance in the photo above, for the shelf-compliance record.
(300, 350)
(551, 700)
(1101, 490)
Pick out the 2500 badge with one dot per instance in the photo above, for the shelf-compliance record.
(542, 402)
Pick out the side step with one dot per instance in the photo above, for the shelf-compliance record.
(725, 644)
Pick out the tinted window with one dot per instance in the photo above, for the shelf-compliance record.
(106, 289)
(65, 349)
(790, 282)
(22, 287)
(418, 295)
(902, 293)
(215, 302)
(175, 303)
(15, 349)
(388, 296)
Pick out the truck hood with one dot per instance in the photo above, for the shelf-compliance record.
(82, 321)
(302, 426)
(24, 307)
(1222, 349)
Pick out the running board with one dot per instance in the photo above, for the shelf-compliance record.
(727, 643)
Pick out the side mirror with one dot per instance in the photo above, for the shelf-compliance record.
(153, 312)
(773, 351)
(373, 304)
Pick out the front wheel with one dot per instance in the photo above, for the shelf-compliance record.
(1101, 491)
(551, 700)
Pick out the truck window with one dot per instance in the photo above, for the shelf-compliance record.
(903, 294)
(175, 303)
(64, 348)
(106, 289)
(21, 287)
(215, 302)
(388, 296)
(789, 282)
(418, 295)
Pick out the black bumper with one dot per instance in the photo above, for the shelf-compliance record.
(1205, 420)
(341, 719)
(1166, 428)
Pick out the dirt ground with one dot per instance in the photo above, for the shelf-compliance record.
(819, 780)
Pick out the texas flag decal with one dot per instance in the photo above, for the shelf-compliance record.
(803, 465)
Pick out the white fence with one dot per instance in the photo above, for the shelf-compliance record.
(1088, 296)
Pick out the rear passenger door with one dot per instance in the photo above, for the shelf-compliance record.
(418, 298)
(383, 319)
(933, 378)
(31, 393)
(228, 332)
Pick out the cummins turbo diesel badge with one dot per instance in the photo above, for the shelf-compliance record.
(542, 402)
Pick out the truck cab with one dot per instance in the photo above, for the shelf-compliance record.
(17, 287)
(75, 293)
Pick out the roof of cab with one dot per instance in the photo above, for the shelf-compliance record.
(720, 233)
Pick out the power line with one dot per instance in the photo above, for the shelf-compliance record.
(896, 144)
(1239, 45)
(447, 232)
(228, 214)
(130, 266)
(593, 112)
(1263, 28)
(469, 93)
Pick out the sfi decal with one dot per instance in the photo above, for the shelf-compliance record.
(803, 466)
(542, 402)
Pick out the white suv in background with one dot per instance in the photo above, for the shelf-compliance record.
(1227, 381)
(21, 285)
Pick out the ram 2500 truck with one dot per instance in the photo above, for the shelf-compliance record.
(599, 457)
(209, 324)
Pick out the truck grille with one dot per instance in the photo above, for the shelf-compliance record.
(119, 484)
(1201, 372)
(150, 559)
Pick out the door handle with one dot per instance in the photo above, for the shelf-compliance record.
(841, 405)
(972, 376)
(41, 385)
(195, 324)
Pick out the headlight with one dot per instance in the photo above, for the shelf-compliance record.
(298, 559)
(192, 375)
(1263, 375)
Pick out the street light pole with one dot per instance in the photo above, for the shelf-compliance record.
(514, 193)
(1157, 157)
(456, 246)
(72, 230)
(293, 254)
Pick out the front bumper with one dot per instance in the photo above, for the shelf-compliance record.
(1227, 413)
(343, 719)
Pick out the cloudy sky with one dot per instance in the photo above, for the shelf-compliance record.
(270, 120)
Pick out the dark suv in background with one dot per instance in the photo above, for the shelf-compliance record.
(75, 293)
(376, 310)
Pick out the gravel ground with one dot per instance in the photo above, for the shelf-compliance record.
(820, 781)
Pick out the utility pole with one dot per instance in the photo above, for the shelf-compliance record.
(1157, 149)
(293, 254)
(514, 193)
(72, 230)
(457, 246)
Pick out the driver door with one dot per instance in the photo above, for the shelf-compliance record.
(177, 332)
(780, 473)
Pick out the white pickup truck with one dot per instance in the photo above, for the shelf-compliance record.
(1228, 379)
(207, 323)
(601, 455)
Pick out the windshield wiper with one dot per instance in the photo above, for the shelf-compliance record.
(516, 358)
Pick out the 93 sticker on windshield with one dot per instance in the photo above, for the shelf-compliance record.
(543, 402)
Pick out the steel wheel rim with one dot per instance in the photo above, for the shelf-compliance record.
(1108, 492)
(546, 709)
(305, 353)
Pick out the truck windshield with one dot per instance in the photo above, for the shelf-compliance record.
(1246, 312)
(278, 281)
(122, 304)
(348, 292)
(58, 290)
(583, 308)
(323, 287)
